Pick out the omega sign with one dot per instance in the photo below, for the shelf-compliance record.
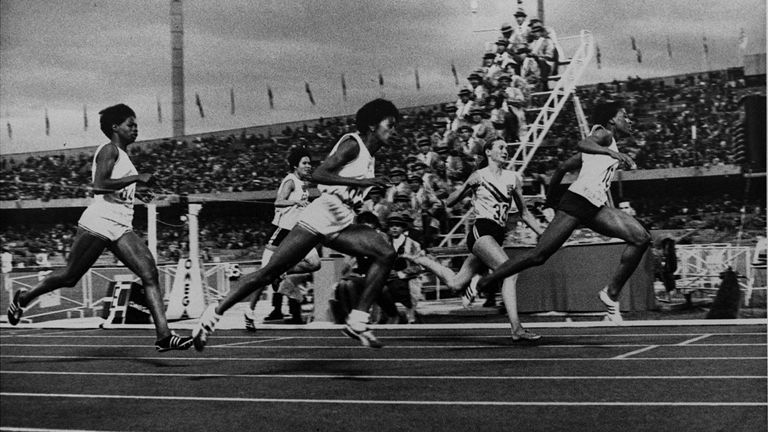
(187, 282)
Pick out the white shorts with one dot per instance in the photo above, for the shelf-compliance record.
(326, 216)
(100, 223)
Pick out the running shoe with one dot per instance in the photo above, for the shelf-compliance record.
(613, 312)
(15, 311)
(173, 342)
(525, 335)
(250, 324)
(207, 324)
(275, 315)
(470, 293)
(365, 336)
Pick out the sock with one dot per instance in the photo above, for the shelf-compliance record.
(358, 319)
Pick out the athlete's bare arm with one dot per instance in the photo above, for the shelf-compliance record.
(327, 172)
(598, 142)
(281, 200)
(526, 215)
(460, 193)
(105, 162)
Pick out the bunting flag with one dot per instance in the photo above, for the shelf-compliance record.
(85, 118)
(232, 100)
(271, 98)
(455, 75)
(343, 88)
(639, 56)
(10, 133)
(159, 112)
(309, 93)
(743, 40)
(418, 84)
(634, 45)
(706, 47)
(47, 124)
(381, 79)
(199, 105)
(669, 48)
(597, 55)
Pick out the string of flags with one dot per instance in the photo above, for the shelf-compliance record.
(742, 44)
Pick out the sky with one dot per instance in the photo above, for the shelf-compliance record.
(72, 58)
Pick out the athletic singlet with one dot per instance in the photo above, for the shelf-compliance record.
(286, 217)
(121, 200)
(595, 175)
(493, 195)
(359, 168)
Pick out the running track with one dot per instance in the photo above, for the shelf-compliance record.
(677, 378)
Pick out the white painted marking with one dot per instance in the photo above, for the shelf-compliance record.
(241, 344)
(25, 429)
(626, 355)
(378, 402)
(254, 345)
(374, 359)
(689, 341)
(391, 337)
(395, 377)
(192, 324)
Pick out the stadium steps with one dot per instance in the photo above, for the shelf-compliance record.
(565, 86)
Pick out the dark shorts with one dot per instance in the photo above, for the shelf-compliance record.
(577, 206)
(485, 227)
(277, 237)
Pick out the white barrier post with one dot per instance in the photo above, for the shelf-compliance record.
(152, 229)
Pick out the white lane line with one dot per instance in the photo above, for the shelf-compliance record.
(395, 377)
(251, 342)
(26, 429)
(689, 341)
(390, 337)
(254, 345)
(372, 359)
(379, 401)
(625, 355)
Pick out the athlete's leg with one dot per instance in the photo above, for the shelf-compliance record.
(613, 222)
(265, 257)
(551, 240)
(86, 249)
(292, 249)
(489, 252)
(134, 253)
(361, 240)
(310, 263)
(456, 281)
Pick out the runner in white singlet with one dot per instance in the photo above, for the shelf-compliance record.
(107, 223)
(496, 192)
(585, 203)
(343, 178)
(292, 197)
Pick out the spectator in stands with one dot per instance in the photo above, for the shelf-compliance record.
(399, 184)
(506, 31)
(397, 288)
(452, 124)
(520, 30)
(479, 91)
(543, 50)
(528, 67)
(425, 155)
(464, 106)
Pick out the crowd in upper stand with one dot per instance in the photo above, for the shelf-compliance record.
(436, 148)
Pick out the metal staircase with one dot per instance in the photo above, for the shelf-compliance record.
(564, 87)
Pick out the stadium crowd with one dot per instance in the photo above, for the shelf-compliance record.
(436, 149)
